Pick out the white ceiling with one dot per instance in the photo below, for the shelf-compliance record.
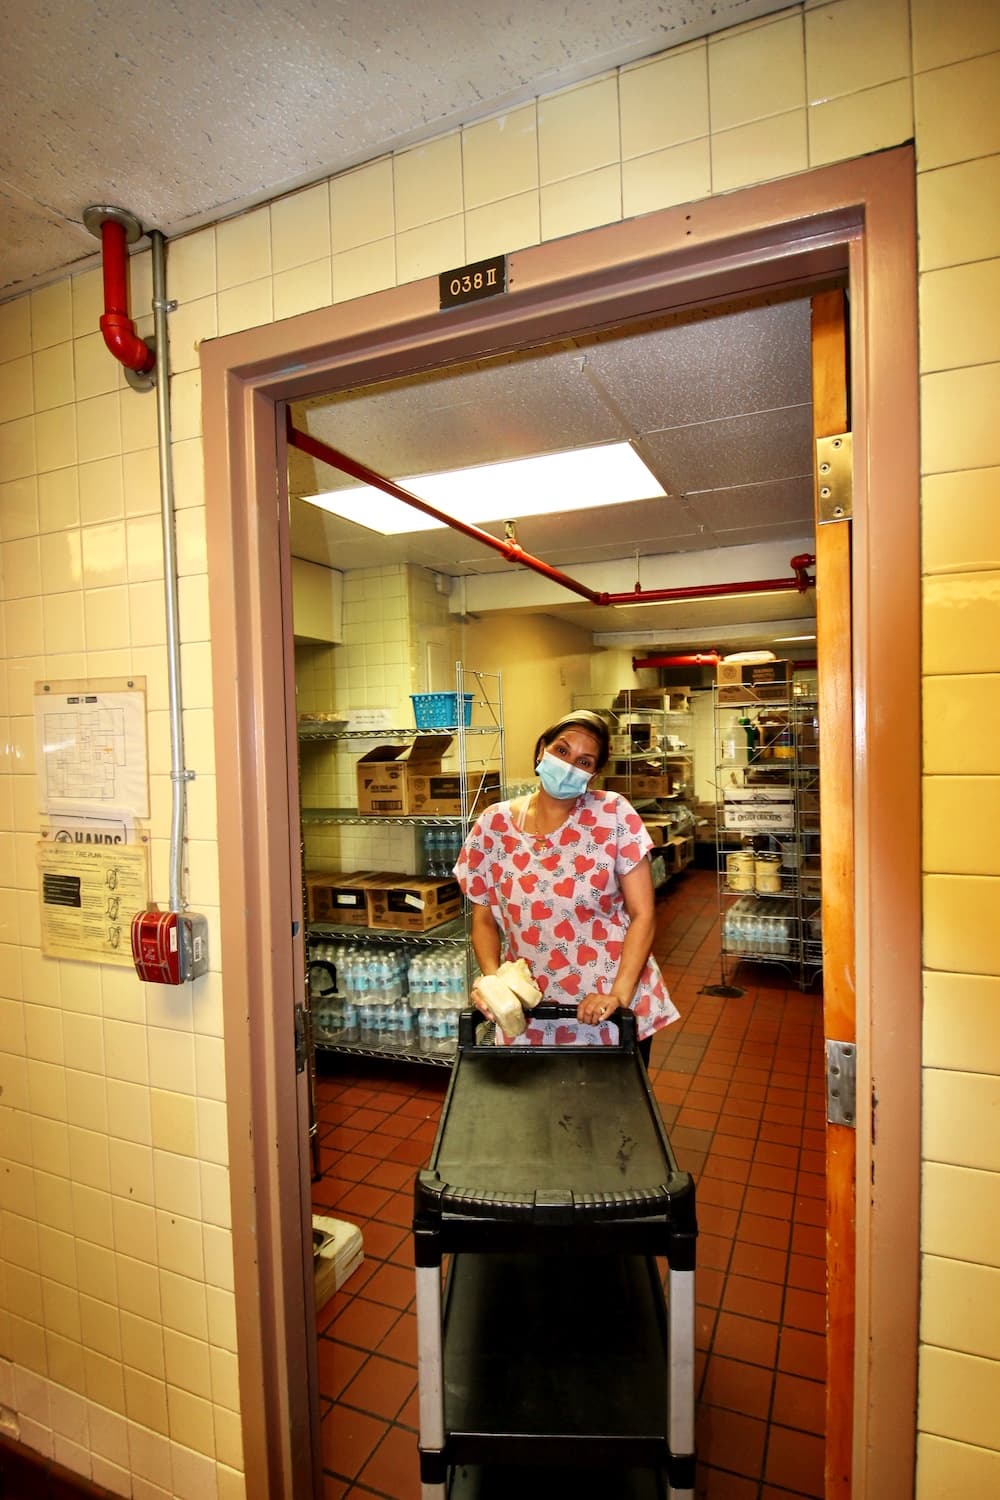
(184, 112)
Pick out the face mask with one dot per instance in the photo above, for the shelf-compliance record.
(560, 779)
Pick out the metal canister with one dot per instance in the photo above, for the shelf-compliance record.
(767, 873)
(739, 870)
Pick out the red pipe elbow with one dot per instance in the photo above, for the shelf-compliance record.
(116, 325)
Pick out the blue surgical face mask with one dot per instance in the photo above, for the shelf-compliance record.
(560, 779)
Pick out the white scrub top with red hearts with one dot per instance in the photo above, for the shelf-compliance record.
(558, 904)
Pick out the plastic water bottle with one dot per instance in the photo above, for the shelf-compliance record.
(349, 1017)
(405, 1027)
(425, 1031)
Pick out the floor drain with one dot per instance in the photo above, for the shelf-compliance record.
(726, 991)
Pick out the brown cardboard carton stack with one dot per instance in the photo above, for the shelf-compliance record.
(412, 903)
(753, 681)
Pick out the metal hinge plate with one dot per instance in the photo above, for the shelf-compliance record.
(300, 1038)
(841, 1104)
(835, 477)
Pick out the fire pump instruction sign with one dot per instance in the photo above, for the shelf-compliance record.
(89, 895)
(90, 741)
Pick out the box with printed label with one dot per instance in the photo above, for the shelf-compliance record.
(339, 896)
(385, 774)
(412, 905)
(637, 787)
(439, 794)
(753, 681)
(758, 809)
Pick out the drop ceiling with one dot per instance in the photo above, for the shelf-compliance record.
(716, 402)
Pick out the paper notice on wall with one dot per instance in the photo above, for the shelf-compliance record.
(76, 826)
(88, 897)
(91, 750)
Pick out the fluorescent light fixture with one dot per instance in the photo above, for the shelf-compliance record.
(703, 599)
(784, 640)
(578, 479)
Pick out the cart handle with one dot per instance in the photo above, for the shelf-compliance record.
(623, 1018)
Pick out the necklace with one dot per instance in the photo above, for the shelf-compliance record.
(541, 837)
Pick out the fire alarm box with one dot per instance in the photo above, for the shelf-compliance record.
(169, 947)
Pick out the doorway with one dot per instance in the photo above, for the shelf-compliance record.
(856, 219)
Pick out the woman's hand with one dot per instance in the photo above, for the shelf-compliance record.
(593, 1009)
(475, 995)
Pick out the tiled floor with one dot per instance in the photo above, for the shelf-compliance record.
(740, 1087)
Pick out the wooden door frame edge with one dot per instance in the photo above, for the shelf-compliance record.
(859, 214)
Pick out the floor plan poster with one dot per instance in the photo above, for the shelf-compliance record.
(89, 895)
(91, 750)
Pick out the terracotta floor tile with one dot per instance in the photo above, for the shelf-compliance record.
(716, 1219)
(394, 1468)
(747, 1339)
(795, 1460)
(718, 1192)
(335, 1489)
(338, 1365)
(753, 1299)
(733, 1145)
(811, 1184)
(394, 1285)
(367, 1120)
(764, 1174)
(381, 1387)
(767, 1201)
(776, 1155)
(807, 1272)
(716, 1484)
(401, 1341)
(363, 1324)
(809, 1211)
(764, 1262)
(802, 1354)
(809, 1239)
(738, 1386)
(759, 1229)
(805, 1310)
(364, 1200)
(380, 1240)
(714, 1251)
(734, 1439)
(348, 1438)
(708, 1286)
(730, 1168)
(799, 1403)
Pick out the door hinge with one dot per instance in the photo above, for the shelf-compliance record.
(301, 1021)
(835, 478)
(841, 1106)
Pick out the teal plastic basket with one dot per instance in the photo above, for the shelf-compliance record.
(440, 710)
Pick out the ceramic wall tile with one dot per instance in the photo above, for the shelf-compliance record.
(17, 448)
(960, 1306)
(96, 370)
(961, 918)
(856, 124)
(961, 718)
(369, 268)
(98, 427)
(51, 315)
(424, 251)
(300, 228)
(52, 383)
(942, 1463)
(957, 615)
(243, 250)
(500, 157)
(101, 491)
(680, 174)
(954, 112)
(578, 131)
(23, 506)
(960, 316)
(498, 228)
(428, 183)
(361, 207)
(758, 73)
(958, 1395)
(87, 301)
(958, 430)
(852, 45)
(773, 147)
(960, 1029)
(190, 323)
(945, 34)
(303, 289)
(958, 213)
(664, 102)
(15, 328)
(247, 305)
(579, 203)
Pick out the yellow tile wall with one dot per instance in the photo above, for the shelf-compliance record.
(113, 1112)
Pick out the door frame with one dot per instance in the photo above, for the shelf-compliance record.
(856, 217)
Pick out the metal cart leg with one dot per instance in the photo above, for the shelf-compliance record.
(430, 1367)
(680, 1319)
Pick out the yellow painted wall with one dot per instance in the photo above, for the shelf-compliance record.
(117, 1344)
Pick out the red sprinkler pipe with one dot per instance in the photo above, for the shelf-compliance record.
(513, 552)
(116, 325)
(689, 659)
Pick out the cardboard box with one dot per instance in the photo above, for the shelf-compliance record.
(385, 774)
(338, 896)
(754, 681)
(640, 787)
(440, 793)
(670, 700)
(412, 905)
(758, 809)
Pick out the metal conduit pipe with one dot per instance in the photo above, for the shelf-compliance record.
(515, 553)
(179, 777)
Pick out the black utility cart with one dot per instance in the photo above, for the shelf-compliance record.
(553, 1190)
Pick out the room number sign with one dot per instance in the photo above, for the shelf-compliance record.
(485, 278)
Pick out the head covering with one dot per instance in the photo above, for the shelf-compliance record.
(580, 718)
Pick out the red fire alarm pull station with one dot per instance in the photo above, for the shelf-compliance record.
(169, 947)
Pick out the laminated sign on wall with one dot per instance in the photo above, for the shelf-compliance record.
(90, 739)
(89, 895)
